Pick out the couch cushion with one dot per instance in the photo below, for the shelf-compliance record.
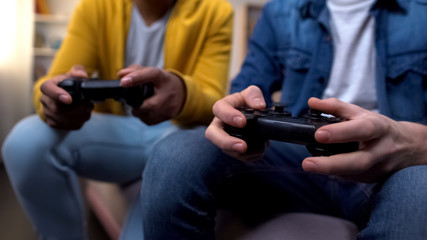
(291, 226)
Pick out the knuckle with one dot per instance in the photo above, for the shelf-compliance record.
(208, 132)
(77, 67)
(225, 146)
(53, 108)
(252, 88)
(363, 164)
(135, 66)
(216, 107)
(43, 87)
(51, 123)
(369, 127)
(157, 73)
(334, 100)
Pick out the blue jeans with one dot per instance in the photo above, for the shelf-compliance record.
(44, 164)
(187, 179)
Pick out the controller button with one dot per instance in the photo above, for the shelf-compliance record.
(279, 107)
(315, 114)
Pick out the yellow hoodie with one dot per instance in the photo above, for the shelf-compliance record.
(197, 48)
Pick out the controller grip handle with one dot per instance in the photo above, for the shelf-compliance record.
(255, 142)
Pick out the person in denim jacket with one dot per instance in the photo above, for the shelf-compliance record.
(363, 61)
(173, 44)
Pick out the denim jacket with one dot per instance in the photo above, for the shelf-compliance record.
(291, 50)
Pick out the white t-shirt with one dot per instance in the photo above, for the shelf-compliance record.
(145, 43)
(352, 77)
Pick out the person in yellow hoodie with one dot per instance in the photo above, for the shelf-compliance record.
(182, 47)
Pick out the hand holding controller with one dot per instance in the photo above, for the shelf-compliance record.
(92, 90)
(278, 124)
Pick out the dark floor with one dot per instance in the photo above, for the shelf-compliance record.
(14, 225)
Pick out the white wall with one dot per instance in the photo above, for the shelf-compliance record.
(16, 58)
(15, 62)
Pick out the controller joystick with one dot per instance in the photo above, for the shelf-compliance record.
(278, 124)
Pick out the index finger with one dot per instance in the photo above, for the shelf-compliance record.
(345, 164)
(50, 88)
(141, 76)
(362, 125)
(337, 108)
(216, 134)
(225, 110)
(77, 71)
(125, 71)
(360, 129)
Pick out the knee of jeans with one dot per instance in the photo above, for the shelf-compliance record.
(25, 148)
(180, 163)
(181, 152)
(408, 185)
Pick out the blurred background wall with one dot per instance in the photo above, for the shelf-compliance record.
(16, 30)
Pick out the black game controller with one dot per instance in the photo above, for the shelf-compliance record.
(93, 90)
(278, 124)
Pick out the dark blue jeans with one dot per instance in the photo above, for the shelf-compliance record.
(188, 179)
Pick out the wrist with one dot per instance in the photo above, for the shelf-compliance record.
(416, 147)
(179, 89)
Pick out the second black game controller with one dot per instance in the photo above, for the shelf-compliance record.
(93, 90)
(278, 124)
